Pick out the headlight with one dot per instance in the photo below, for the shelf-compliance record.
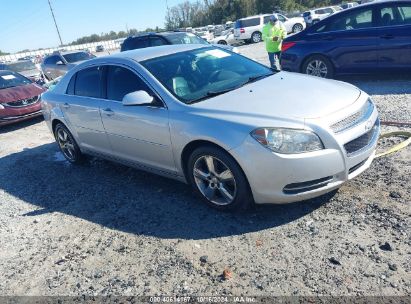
(1, 107)
(288, 141)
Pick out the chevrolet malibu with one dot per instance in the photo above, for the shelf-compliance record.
(232, 128)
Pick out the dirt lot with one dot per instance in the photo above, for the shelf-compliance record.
(105, 229)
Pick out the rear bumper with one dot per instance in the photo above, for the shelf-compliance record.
(291, 62)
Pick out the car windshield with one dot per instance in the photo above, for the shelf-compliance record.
(21, 66)
(80, 56)
(185, 38)
(199, 74)
(10, 79)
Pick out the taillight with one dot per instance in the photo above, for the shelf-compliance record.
(242, 31)
(287, 45)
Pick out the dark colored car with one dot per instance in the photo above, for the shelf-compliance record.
(165, 38)
(26, 68)
(19, 98)
(364, 39)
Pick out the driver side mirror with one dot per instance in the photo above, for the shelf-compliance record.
(137, 98)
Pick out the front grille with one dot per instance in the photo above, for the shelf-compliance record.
(361, 143)
(357, 166)
(296, 188)
(354, 119)
(22, 103)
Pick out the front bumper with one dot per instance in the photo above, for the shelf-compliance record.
(13, 115)
(285, 178)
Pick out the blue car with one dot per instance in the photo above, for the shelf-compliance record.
(368, 38)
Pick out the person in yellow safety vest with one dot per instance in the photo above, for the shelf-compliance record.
(274, 32)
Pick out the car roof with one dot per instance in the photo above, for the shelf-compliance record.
(154, 52)
(255, 16)
(147, 34)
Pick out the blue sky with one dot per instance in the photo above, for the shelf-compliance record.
(27, 24)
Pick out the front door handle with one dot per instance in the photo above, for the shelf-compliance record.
(387, 36)
(108, 112)
(66, 105)
(328, 38)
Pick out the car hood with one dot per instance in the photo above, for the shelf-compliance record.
(284, 96)
(20, 92)
(30, 73)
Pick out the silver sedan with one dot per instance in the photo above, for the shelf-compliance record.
(235, 130)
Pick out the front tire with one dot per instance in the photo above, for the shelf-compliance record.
(218, 179)
(67, 144)
(256, 37)
(319, 66)
(222, 42)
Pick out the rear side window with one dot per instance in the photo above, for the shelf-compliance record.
(395, 15)
(249, 22)
(121, 81)
(88, 83)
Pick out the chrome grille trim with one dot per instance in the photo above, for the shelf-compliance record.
(363, 142)
(354, 119)
(22, 102)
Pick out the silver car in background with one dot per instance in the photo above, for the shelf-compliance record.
(58, 63)
(229, 126)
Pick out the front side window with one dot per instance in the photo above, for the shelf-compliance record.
(79, 56)
(121, 81)
(52, 60)
(157, 41)
(357, 19)
(88, 83)
(202, 73)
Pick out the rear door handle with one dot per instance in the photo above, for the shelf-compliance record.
(108, 112)
(387, 36)
(66, 105)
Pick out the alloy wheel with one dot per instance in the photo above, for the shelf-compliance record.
(66, 144)
(215, 180)
(297, 28)
(317, 68)
(256, 37)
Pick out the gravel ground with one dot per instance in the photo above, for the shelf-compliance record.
(105, 229)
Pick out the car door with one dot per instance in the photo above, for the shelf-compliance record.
(138, 134)
(82, 110)
(394, 35)
(350, 40)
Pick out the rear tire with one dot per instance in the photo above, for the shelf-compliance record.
(218, 179)
(222, 42)
(68, 145)
(298, 27)
(256, 37)
(318, 65)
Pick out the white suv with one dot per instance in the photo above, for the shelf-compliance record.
(315, 15)
(250, 29)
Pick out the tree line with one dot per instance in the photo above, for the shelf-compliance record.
(200, 13)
